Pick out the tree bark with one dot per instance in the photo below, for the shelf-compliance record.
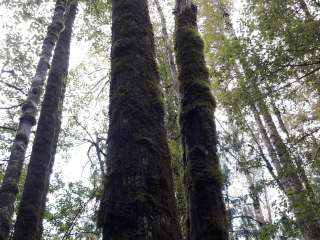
(207, 214)
(9, 187)
(31, 210)
(171, 101)
(138, 200)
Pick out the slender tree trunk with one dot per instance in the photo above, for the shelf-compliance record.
(167, 43)
(228, 26)
(265, 159)
(229, 215)
(280, 147)
(306, 214)
(9, 187)
(207, 214)
(30, 215)
(139, 199)
(255, 200)
(282, 125)
(305, 9)
(295, 154)
(266, 139)
(267, 203)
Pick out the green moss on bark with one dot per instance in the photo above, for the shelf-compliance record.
(139, 200)
(203, 179)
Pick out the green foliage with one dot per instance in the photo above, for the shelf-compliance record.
(73, 214)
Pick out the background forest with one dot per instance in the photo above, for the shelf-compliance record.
(263, 59)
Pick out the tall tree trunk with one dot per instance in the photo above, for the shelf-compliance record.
(30, 215)
(306, 214)
(167, 43)
(139, 199)
(263, 156)
(207, 214)
(9, 187)
(277, 113)
(263, 132)
(267, 203)
(305, 9)
(298, 159)
(254, 195)
(223, 10)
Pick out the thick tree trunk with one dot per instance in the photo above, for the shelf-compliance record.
(207, 214)
(139, 199)
(9, 187)
(30, 215)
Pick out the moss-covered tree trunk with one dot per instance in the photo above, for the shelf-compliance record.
(207, 214)
(139, 199)
(31, 210)
(9, 187)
